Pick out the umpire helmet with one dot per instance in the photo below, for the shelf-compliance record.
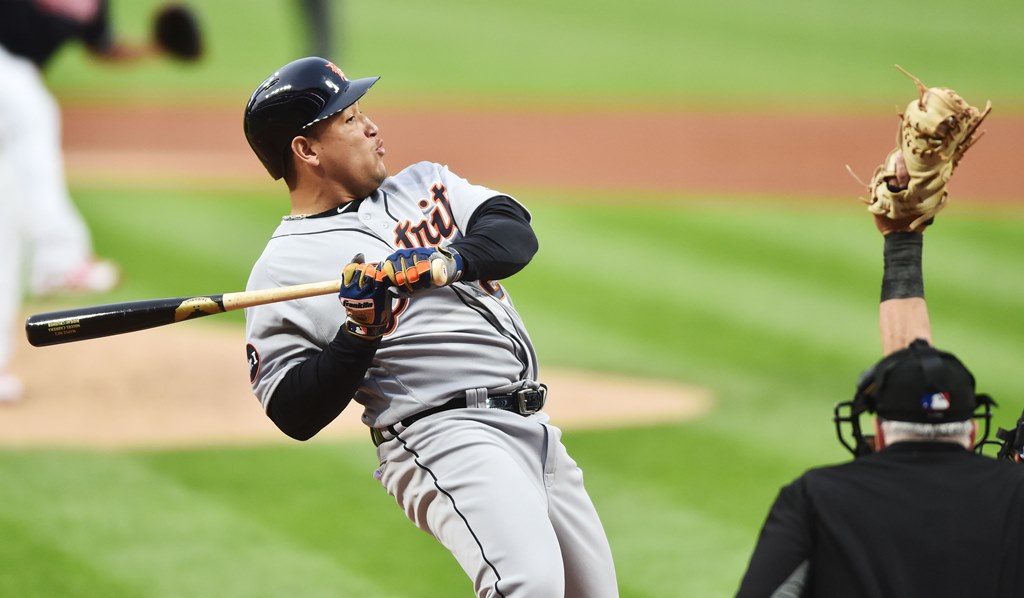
(918, 384)
(300, 93)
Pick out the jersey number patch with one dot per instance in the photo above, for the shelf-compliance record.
(253, 357)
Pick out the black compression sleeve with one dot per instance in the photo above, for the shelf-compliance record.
(314, 392)
(498, 242)
(902, 276)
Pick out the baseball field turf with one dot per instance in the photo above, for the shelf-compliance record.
(768, 301)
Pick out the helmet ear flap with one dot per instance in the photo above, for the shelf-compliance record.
(849, 412)
(866, 396)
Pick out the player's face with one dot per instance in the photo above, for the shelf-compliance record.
(352, 154)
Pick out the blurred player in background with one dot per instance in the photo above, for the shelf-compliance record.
(39, 225)
(318, 15)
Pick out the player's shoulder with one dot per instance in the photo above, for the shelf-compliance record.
(273, 266)
(266, 270)
(826, 479)
(417, 174)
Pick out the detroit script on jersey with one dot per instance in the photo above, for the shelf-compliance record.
(470, 330)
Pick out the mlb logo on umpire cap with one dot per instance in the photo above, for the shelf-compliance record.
(937, 401)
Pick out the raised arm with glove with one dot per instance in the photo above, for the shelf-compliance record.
(935, 132)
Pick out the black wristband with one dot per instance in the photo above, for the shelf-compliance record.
(902, 277)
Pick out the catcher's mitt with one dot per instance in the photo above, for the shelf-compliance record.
(176, 31)
(935, 132)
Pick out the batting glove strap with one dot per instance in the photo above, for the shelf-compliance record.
(422, 268)
(365, 331)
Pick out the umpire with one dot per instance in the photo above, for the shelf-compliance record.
(917, 513)
(922, 516)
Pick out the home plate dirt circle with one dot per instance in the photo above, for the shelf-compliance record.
(188, 386)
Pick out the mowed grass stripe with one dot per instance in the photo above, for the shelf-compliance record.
(323, 498)
(142, 530)
(661, 548)
(653, 489)
(35, 566)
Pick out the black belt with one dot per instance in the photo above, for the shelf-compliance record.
(524, 402)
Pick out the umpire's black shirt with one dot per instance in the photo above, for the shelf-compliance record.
(915, 519)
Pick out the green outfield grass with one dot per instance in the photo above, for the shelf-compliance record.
(774, 311)
(579, 52)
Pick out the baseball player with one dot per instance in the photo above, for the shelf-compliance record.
(425, 340)
(38, 216)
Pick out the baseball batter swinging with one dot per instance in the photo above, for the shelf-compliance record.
(425, 340)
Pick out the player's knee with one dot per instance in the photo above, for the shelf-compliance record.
(541, 579)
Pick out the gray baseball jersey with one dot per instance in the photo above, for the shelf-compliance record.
(468, 335)
(498, 489)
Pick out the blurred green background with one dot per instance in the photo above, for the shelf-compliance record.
(770, 303)
(799, 53)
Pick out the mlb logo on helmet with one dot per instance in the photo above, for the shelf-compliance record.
(935, 401)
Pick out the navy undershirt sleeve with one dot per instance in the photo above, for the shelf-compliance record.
(498, 242)
(313, 393)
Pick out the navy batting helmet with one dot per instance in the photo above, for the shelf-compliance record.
(297, 95)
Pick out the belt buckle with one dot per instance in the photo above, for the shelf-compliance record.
(522, 398)
(377, 437)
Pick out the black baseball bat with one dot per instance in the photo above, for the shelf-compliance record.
(84, 323)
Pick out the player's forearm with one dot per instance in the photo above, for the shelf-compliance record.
(499, 242)
(313, 393)
(902, 321)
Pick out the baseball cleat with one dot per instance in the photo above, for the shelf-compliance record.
(94, 276)
(11, 388)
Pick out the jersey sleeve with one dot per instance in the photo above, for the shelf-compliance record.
(279, 335)
(466, 197)
(498, 242)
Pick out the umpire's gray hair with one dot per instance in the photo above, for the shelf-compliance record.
(959, 432)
